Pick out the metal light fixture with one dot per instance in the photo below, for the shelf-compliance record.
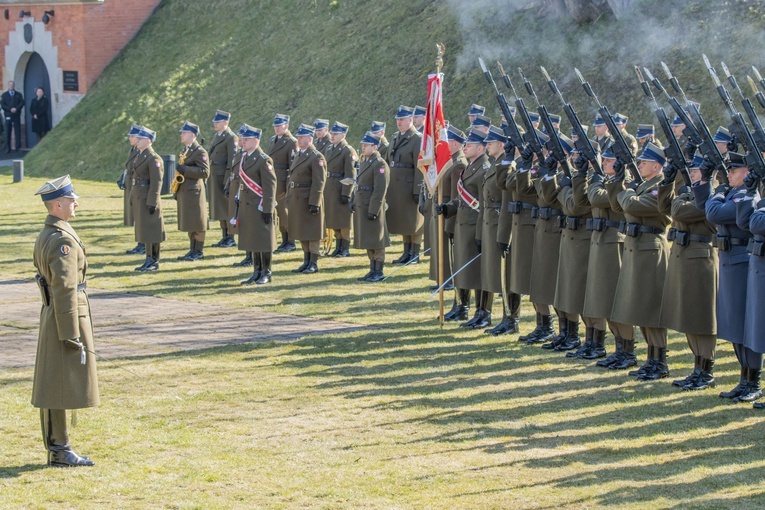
(24, 13)
(47, 16)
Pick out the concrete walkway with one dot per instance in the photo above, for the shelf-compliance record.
(128, 324)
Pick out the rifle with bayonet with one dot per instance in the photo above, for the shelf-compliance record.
(673, 151)
(759, 134)
(753, 155)
(757, 93)
(696, 130)
(621, 149)
(582, 144)
(511, 129)
(556, 148)
(530, 136)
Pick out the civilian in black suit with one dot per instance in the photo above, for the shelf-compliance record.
(40, 108)
(12, 103)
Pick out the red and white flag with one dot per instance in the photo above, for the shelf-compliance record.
(435, 157)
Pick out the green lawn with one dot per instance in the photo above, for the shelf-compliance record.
(403, 415)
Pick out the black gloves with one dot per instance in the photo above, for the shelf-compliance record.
(707, 168)
(596, 178)
(527, 155)
(371, 216)
(441, 209)
(121, 183)
(733, 144)
(670, 173)
(549, 166)
(478, 245)
(152, 209)
(690, 149)
(564, 181)
(752, 183)
(267, 217)
(509, 150)
(504, 249)
(344, 200)
(313, 209)
(581, 164)
(722, 189)
(74, 344)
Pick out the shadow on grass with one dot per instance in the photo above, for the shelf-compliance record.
(16, 471)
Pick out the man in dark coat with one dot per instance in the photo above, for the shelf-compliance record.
(342, 162)
(40, 110)
(145, 202)
(221, 152)
(281, 149)
(12, 102)
(65, 368)
(194, 167)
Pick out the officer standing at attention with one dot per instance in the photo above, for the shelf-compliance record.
(232, 193)
(371, 233)
(305, 198)
(257, 200)
(732, 241)
(222, 149)
(125, 183)
(602, 136)
(403, 195)
(281, 149)
(378, 129)
(646, 250)
(145, 201)
(65, 374)
(194, 166)
(321, 138)
(418, 118)
(465, 206)
(342, 162)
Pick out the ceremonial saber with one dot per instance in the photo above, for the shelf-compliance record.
(440, 287)
(414, 259)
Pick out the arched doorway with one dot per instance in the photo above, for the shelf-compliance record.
(35, 75)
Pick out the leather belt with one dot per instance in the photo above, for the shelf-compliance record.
(402, 166)
(299, 185)
(636, 229)
(365, 188)
(82, 286)
(281, 167)
(219, 162)
(516, 207)
(725, 243)
(335, 174)
(684, 238)
(574, 222)
(756, 247)
(141, 182)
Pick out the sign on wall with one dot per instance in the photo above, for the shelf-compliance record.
(71, 81)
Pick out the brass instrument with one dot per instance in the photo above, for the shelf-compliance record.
(179, 179)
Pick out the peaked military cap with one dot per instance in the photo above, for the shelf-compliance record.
(339, 127)
(320, 123)
(280, 119)
(404, 112)
(304, 130)
(419, 111)
(145, 132)
(645, 130)
(736, 160)
(722, 135)
(598, 120)
(188, 127)
(476, 137)
(454, 134)
(377, 126)
(370, 138)
(620, 118)
(653, 152)
(134, 129)
(495, 135)
(481, 120)
(247, 131)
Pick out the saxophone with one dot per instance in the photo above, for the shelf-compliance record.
(178, 179)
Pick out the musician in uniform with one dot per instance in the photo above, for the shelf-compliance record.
(194, 168)
(402, 215)
(342, 162)
(690, 289)
(465, 207)
(732, 241)
(65, 374)
(221, 151)
(305, 198)
(641, 280)
(371, 233)
(281, 149)
(125, 183)
(321, 138)
(257, 201)
(145, 201)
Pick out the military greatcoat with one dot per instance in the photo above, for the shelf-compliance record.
(488, 220)
(449, 185)
(127, 212)
(544, 267)
(147, 171)
(222, 149)
(755, 318)
(404, 190)
(306, 188)
(372, 185)
(341, 164)
(60, 380)
(232, 188)
(254, 234)
(192, 200)
(524, 199)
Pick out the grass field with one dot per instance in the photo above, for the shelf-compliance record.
(403, 415)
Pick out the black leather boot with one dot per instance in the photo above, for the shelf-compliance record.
(478, 310)
(265, 268)
(459, 311)
(589, 333)
(60, 453)
(312, 264)
(337, 249)
(615, 357)
(306, 260)
(705, 379)
(369, 273)
(738, 389)
(404, 258)
(598, 349)
(546, 331)
(287, 244)
(245, 262)
(485, 320)
(572, 340)
(145, 264)
(139, 249)
(649, 362)
(659, 369)
(535, 333)
(345, 246)
(199, 250)
(377, 275)
(753, 389)
(189, 254)
(690, 378)
(558, 340)
(628, 358)
(414, 253)
(257, 270)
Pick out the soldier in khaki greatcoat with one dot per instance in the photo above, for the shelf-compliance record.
(305, 198)
(321, 138)
(257, 200)
(378, 129)
(371, 233)
(148, 171)
(125, 182)
(221, 151)
(342, 162)
(402, 215)
(65, 374)
(231, 191)
(281, 149)
(194, 167)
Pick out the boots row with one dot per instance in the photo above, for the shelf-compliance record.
(152, 258)
(375, 273)
(226, 241)
(411, 254)
(196, 251)
(342, 248)
(309, 265)
(262, 269)
(482, 317)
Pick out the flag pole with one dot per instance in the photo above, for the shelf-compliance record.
(440, 233)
